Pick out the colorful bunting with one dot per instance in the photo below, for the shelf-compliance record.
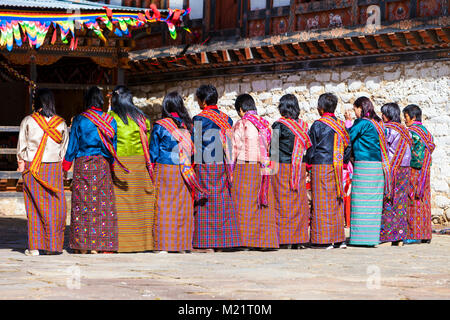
(34, 26)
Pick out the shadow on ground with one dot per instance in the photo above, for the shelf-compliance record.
(13, 234)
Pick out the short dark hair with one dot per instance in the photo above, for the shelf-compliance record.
(288, 106)
(368, 110)
(93, 98)
(45, 100)
(327, 102)
(391, 111)
(245, 103)
(413, 111)
(207, 93)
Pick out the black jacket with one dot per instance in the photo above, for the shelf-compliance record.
(286, 143)
(322, 139)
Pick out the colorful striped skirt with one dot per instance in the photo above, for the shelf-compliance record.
(419, 211)
(292, 207)
(94, 219)
(258, 225)
(135, 204)
(46, 211)
(216, 220)
(367, 203)
(327, 214)
(174, 215)
(394, 225)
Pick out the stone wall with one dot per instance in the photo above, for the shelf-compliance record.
(425, 84)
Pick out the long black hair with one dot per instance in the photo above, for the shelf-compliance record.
(288, 107)
(173, 102)
(93, 98)
(45, 100)
(391, 111)
(368, 110)
(122, 104)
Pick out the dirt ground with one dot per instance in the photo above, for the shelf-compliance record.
(386, 272)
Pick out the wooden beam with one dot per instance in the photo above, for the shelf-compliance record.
(382, 43)
(300, 50)
(263, 53)
(412, 39)
(325, 46)
(350, 42)
(366, 44)
(287, 51)
(274, 51)
(248, 53)
(239, 54)
(312, 48)
(442, 35)
(426, 37)
(226, 56)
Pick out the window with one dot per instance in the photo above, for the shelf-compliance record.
(257, 4)
(176, 4)
(116, 2)
(281, 3)
(196, 9)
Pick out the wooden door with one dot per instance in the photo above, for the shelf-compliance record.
(226, 14)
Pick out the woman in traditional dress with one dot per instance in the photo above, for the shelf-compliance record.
(252, 190)
(216, 221)
(171, 149)
(394, 224)
(92, 145)
(419, 209)
(41, 148)
(371, 169)
(134, 191)
(328, 156)
(289, 142)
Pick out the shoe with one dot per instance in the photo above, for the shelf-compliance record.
(31, 252)
(343, 246)
(411, 241)
(52, 253)
(426, 241)
(94, 252)
(331, 246)
(162, 252)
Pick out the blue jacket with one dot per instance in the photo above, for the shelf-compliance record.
(163, 146)
(205, 151)
(85, 141)
(365, 141)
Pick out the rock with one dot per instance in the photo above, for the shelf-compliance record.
(391, 76)
(372, 83)
(354, 85)
(442, 202)
(259, 85)
(315, 88)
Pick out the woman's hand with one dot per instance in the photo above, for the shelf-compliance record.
(20, 165)
(348, 115)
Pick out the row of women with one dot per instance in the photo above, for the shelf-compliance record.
(203, 183)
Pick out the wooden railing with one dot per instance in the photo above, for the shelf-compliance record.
(11, 181)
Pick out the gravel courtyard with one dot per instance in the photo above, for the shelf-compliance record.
(409, 272)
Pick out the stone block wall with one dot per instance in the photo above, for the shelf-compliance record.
(425, 84)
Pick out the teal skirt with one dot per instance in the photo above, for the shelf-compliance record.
(367, 203)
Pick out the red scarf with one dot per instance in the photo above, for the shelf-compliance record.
(50, 130)
(186, 149)
(302, 142)
(220, 119)
(405, 140)
(427, 139)
(265, 135)
(105, 131)
(341, 141)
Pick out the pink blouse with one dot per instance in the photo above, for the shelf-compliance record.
(245, 141)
